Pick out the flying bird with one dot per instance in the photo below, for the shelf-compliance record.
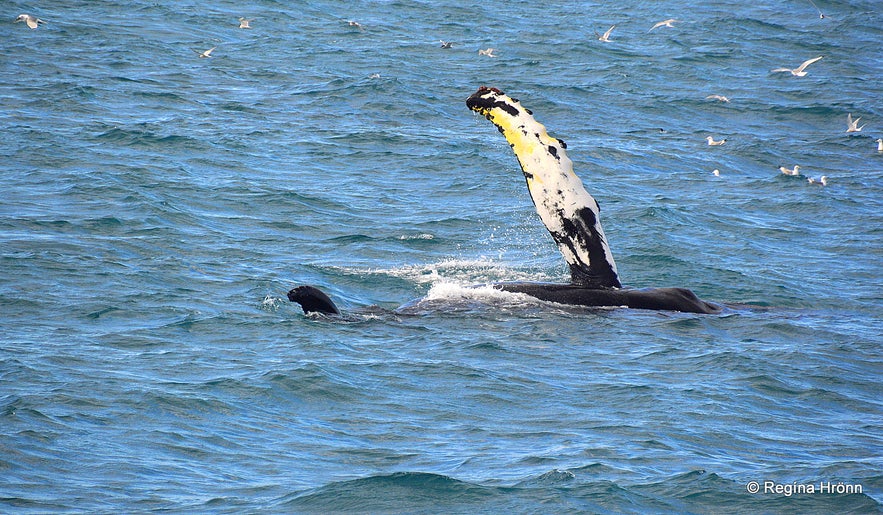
(666, 23)
(207, 53)
(606, 36)
(821, 16)
(489, 52)
(31, 21)
(799, 71)
(853, 124)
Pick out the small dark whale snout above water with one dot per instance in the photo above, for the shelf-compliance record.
(313, 300)
(570, 214)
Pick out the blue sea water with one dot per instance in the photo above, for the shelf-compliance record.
(157, 206)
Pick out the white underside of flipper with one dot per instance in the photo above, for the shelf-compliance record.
(567, 210)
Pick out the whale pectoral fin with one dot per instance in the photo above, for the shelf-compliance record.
(591, 262)
(569, 212)
(580, 277)
(313, 300)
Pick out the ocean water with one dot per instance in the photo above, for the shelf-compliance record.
(156, 207)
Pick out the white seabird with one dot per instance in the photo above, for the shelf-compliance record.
(666, 23)
(799, 71)
(821, 16)
(244, 23)
(853, 124)
(823, 180)
(790, 171)
(489, 52)
(207, 53)
(606, 36)
(31, 21)
(879, 144)
(711, 141)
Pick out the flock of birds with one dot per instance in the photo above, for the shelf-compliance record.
(490, 52)
(800, 71)
(33, 22)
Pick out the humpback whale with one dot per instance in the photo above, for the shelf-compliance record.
(570, 214)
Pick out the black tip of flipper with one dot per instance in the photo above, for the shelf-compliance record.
(313, 300)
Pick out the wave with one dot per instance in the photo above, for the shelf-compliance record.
(312, 382)
(145, 136)
(572, 490)
(411, 491)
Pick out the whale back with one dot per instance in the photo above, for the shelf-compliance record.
(568, 211)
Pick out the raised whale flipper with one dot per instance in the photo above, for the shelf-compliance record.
(313, 300)
(565, 207)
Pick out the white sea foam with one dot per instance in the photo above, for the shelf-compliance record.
(465, 272)
(271, 303)
(422, 236)
(451, 291)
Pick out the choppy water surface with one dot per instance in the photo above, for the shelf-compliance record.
(157, 206)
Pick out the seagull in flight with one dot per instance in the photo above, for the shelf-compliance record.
(853, 124)
(446, 44)
(798, 72)
(489, 52)
(207, 53)
(821, 16)
(666, 23)
(606, 36)
(31, 21)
